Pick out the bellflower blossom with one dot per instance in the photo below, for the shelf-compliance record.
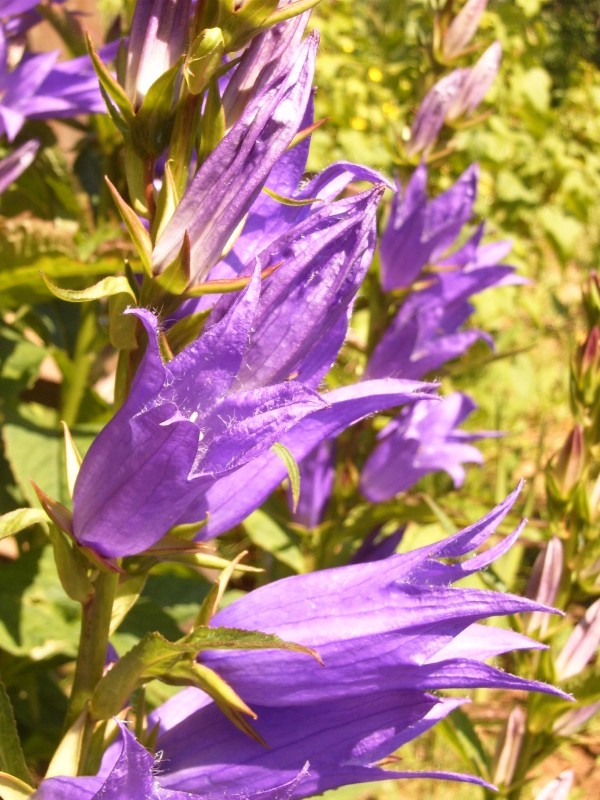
(39, 87)
(389, 634)
(206, 417)
(424, 439)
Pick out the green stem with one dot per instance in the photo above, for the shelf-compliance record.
(522, 767)
(91, 658)
(82, 363)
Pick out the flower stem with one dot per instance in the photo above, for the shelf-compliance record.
(93, 642)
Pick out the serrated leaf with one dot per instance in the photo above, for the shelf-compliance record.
(155, 657)
(20, 519)
(271, 537)
(107, 287)
(293, 471)
(12, 759)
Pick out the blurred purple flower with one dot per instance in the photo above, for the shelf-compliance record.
(462, 28)
(420, 230)
(12, 165)
(476, 83)
(39, 87)
(317, 474)
(425, 438)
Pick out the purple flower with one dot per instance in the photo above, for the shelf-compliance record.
(476, 83)
(192, 429)
(420, 230)
(423, 439)
(462, 28)
(17, 162)
(389, 633)
(40, 88)
(317, 473)
(156, 40)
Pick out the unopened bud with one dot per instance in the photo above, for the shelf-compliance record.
(591, 298)
(543, 584)
(462, 28)
(566, 467)
(559, 788)
(581, 645)
(586, 369)
(433, 112)
(509, 747)
(478, 80)
(203, 59)
(574, 720)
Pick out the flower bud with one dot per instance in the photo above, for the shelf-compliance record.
(574, 720)
(566, 467)
(156, 41)
(509, 747)
(476, 83)
(462, 28)
(558, 788)
(433, 112)
(543, 583)
(586, 370)
(581, 645)
(591, 298)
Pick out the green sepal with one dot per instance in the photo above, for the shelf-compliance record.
(109, 85)
(67, 755)
(289, 201)
(12, 760)
(121, 327)
(139, 235)
(12, 788)
(21, 518)
(293, 9)
(72, 459)
(212, 123)
(154, 657)
(71, 566)
(107, 287)
(228, 284)
(203, 59)
(210, 604)
(152, 125)
(138, 172)
(59, 514)
(186, 330)
(166, 203)
(293, 471)
(177, 276)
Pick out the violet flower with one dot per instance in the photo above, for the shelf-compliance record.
(156, 40)
(425, 438)
(385, 651)
(193, 429)
(41, 88)
(317, 474)
(462, 28)
(12, 165)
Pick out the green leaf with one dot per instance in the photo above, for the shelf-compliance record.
(153, 123)
(20, 519)
(107, 287)
(12, 788)
(139, 235)
(293, 471)
(271, 537)
(12, 759)
(38, 621)
(186, 330)
(156, 657)
(114, 90)
(459, 731)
